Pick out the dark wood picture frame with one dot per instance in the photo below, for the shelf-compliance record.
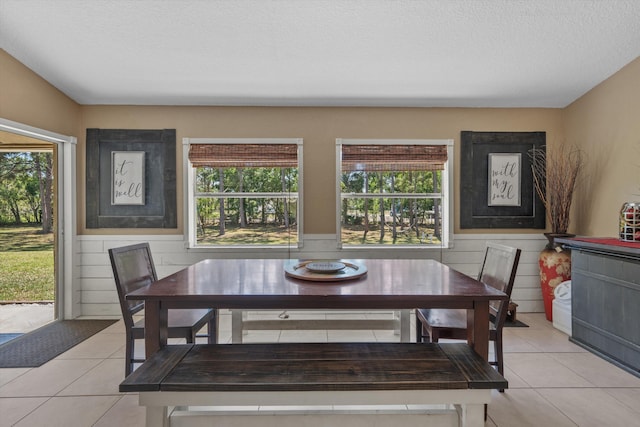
(159, 208)
(475, 211)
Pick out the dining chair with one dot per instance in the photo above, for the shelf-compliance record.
(499, 271)
(133, 268)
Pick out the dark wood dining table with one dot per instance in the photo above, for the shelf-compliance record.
(260, 284)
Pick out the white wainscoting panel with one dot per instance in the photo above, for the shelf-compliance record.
(99, 298)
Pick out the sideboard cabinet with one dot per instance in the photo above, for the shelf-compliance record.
(605, 299)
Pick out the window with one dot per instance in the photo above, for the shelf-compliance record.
(394, 192)
(243, 191)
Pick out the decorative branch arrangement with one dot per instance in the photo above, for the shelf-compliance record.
(555, 173)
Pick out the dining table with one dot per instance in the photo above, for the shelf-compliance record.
(287, 284)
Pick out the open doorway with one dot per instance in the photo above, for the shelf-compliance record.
(35, 237)
(27, 237)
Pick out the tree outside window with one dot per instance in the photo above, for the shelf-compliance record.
(393, 192)
(245, 193)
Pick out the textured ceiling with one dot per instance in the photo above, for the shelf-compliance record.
(453, 53)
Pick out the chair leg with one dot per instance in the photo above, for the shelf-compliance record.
(128, 356)
(499, 358)
(422, 332)
(499, 355)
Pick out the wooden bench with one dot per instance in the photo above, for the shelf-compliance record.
(275, 384)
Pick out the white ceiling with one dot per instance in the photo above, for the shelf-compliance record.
(450, 53)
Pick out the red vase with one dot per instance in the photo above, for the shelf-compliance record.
(555, 268)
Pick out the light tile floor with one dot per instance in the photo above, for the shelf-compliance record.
(24, 317)
(552, 382)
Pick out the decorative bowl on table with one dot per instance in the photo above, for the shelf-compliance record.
(325, 267)
(325, 270)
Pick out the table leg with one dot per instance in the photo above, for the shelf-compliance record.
(478, 328)
(236, 326)
(216, 329)
(157, 416)
(405, 325)
(155, 327)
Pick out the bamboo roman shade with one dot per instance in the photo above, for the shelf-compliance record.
(393, 158)
(244, 155)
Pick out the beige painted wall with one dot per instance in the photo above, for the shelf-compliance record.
(319, 127)
(605, 123)
(27, 98)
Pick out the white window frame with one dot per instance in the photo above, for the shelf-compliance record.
(447, 188)
(189, 187)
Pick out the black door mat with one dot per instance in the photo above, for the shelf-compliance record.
(38, 347)
(515, 324)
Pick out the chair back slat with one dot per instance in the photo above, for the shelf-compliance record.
(132, 269)
(499, 271)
